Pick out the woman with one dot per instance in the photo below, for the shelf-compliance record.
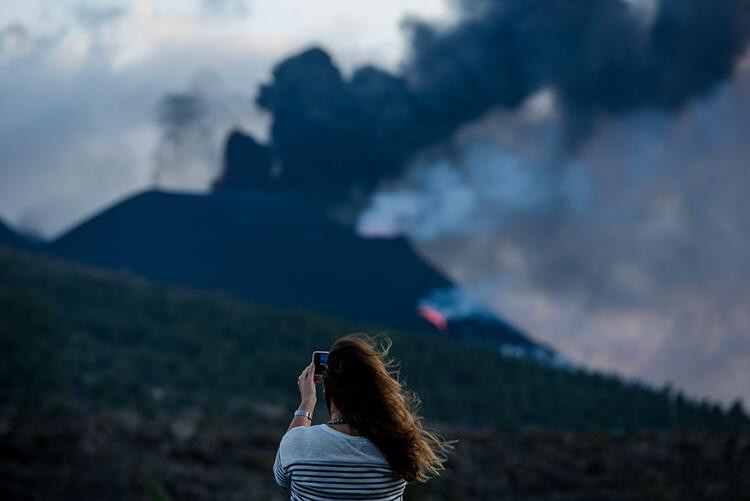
(373, 444)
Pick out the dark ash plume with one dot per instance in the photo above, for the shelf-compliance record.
(247, 164)
(599, 57)
(334, 136)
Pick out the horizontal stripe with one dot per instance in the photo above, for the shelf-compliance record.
(335, 463)
(348, 473)
(326, 480)
(319, 467)
(321, 480)
(352, 487)
(368, 471)
(338, 474)
(346, 495)
(352, 467)
(369, 482)
(308, 492)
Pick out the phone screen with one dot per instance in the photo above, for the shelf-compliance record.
(320, 359)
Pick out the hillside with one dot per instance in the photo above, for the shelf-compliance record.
(279, 249)
(72, 333)
(126, 455)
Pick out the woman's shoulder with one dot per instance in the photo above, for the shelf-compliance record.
(322, 438)
(299, 431)
(303, 434)
(324, 445)
(303, 440)
(318, 430)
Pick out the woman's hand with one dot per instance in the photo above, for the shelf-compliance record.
(306, 383)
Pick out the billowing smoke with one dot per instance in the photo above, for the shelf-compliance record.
(598, 57)
(335, 136)
(594, 194)
(634, 255)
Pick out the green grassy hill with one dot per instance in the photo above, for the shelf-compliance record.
(74, 335)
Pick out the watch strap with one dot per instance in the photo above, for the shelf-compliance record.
(300, 412)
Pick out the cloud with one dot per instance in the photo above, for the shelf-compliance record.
(94, 16)
(85, 76)
(236, 8)
(12, 36)
(79, 130)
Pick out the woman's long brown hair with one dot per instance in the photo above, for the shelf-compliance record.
(364, 387)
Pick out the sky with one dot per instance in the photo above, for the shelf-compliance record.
(80, 82)
(645, 275)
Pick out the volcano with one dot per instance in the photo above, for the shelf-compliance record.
(279, 249)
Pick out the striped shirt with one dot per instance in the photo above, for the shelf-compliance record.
(319, 462)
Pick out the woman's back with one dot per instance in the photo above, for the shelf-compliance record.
(319, 462)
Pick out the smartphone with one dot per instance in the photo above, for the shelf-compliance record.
(320, 359)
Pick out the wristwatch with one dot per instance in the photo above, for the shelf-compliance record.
(300, 412)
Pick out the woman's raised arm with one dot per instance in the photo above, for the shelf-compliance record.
(308, 398)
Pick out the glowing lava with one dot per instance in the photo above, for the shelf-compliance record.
(434, 317)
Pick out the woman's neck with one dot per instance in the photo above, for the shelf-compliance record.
(344, 428)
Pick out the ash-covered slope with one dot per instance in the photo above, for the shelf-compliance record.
(278, 249)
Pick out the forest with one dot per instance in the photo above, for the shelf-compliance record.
(75, 335)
